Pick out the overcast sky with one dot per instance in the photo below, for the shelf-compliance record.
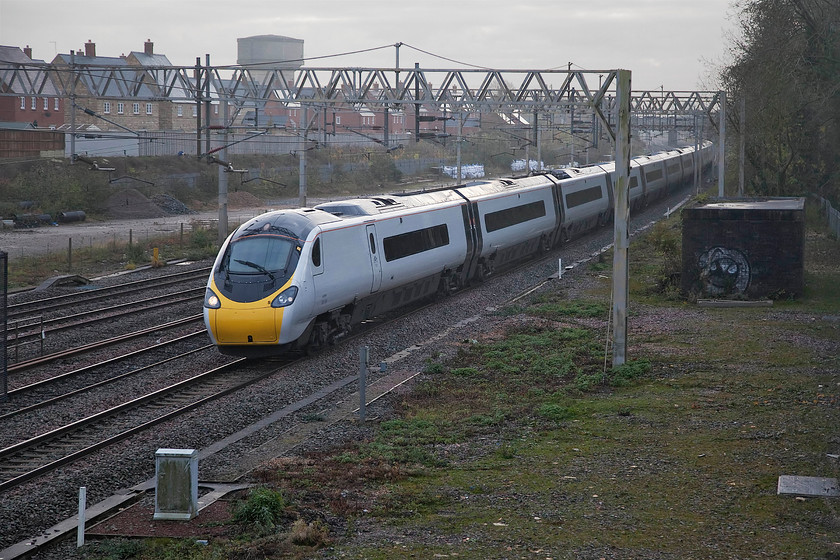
(670, 43)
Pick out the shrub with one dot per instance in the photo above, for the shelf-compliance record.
(263, 508)
(308, 534)
(555, 412)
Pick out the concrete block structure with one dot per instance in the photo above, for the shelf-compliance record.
(744, 249)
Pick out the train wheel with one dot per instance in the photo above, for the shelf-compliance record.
(317, 339)
(545, 245)
(565, 236)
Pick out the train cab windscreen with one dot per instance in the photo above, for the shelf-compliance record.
(255, 265)
(259, 255)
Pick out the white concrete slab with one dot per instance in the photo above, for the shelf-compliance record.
(812, 486)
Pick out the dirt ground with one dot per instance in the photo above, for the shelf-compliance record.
(58, 239)
(136, 217)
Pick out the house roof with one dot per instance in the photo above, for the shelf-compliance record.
(11, 57)
(114, 86)
(150, 59)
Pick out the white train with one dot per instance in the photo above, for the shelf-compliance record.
(299, 279)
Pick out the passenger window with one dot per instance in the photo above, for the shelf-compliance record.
(372, 245)
(316, 252)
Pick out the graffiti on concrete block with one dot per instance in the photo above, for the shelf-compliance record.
(724, 271)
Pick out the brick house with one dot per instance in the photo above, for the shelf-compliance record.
(175, 112)
(366, 120)
(163, 110)
(115, 109)
(44, 110)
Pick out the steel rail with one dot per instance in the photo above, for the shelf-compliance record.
(162, 301)
(20, 366)
(87, 296)
(24, 450)
(39, 384)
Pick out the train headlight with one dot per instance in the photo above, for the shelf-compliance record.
(286, 297)
(211, 300)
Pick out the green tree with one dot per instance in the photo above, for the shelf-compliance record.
(786, 67)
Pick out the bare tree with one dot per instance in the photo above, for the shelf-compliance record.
(786, 66)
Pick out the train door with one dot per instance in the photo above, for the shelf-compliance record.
(375, 263)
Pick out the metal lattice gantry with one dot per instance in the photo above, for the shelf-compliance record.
(466, 90)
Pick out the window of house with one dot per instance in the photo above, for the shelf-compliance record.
(195, 111)
(34, 103)
(106, 107)
(135, 107)
(180, 111)
(120, 108)
(148, 108)
(337, 119)
(23, 103)
(216, 109)
(55, 104)
(46, 104)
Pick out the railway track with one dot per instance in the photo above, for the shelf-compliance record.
(28, 398)
(85, 348)
(84, 311)
(17, 310)
(45, 327)
(38, 455)
(46, 452)
(41, 454)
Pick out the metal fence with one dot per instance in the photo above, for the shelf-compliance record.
(832, 216)
(173, 143)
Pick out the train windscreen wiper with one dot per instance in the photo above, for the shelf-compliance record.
(257, 267)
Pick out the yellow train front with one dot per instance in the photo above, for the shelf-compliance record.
(254, 304)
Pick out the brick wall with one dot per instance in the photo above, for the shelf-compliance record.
(746, 249)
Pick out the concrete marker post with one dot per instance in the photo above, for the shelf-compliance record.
(80, 531)
(363, 361)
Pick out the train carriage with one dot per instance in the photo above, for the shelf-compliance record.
(655, 178)
(513, 219)
(586, 196)
(687, 162)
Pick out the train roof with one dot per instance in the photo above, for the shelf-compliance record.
(383, 204)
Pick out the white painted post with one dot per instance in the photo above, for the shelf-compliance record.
(80, 530)
(560, 268)
(363, 365)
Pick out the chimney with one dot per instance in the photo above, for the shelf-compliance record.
(27, 50)
(149, 47)
(90, 48)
